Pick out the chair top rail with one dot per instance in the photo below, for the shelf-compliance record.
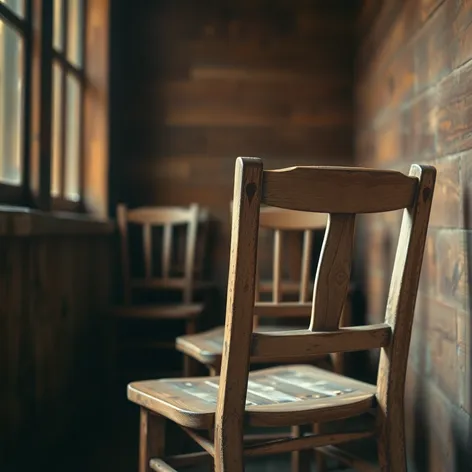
(338, 189)
(164, 215)
(279, 218)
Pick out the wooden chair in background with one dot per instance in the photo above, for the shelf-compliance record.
(300, 395)
(179, 270)
(207, 347)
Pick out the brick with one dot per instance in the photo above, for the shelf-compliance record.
(462, 27)
(454, 118)
(452, 249)
(415, 410)
(374, 254)
(446, 209)
(429, 269)
(418, 346)
(432, 50)
(394, 42)
(377, 289)
(421, 131)
(441, 428)
(387, 141)
(364, 147)
(466, 189)
(428, 424)
(400, 78)
(394, 84)
(427, 7)
(464, 352)
(434, 344)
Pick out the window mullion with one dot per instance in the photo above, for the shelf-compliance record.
(46, 105)
(63, 113)
(82, 105)
(27, 106)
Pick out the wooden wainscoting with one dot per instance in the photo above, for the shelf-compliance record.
(54, 342)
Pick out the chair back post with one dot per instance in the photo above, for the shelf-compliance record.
(122, 220)
(400, 308)
(239, 315)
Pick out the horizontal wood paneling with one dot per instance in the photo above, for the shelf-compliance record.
(202, 86)
(412, 93)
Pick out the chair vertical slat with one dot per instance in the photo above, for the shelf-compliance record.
(121, 216)
(333, 274)
(229, 424)
(203, 232)
(257, 297)
(306, 260)
(190, 246)
(166, 250)
(147, 247)
(277, 267)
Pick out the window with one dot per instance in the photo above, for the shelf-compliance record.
(68, 80)
(12, 78)
(44, 85)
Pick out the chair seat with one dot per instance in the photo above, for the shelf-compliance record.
(207, 346)
(278, 396)
(177, 311)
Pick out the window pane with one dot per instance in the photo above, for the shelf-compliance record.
(72, 139)
(57, 123)
(16, 6)
(58, 25)
(74, 33)
(11, 101)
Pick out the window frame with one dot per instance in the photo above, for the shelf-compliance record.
(11, 193)
(39, 54)
(60, 202)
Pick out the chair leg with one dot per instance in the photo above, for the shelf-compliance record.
(211, 435)
(391, 442)
(301, 460)
(320, 459)
(188, 366)
(151, 439)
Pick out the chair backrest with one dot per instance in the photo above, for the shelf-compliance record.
(280, 223)
(342, 193)
(171, 274)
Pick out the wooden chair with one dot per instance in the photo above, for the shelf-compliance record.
(207, 347)
(299, 395)
(174, 275)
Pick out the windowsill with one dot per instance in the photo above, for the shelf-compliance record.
(19, 221)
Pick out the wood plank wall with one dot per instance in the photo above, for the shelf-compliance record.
(54, 340)
(414, 84)
(199, 85)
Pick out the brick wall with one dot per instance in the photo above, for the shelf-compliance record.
(414, 104)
